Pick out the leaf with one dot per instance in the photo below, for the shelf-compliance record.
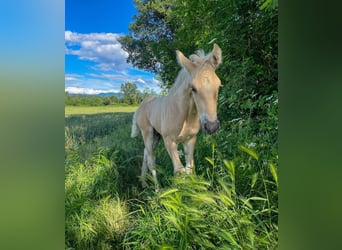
(166, 193)
(166, 247)
(142, 210)
(265, 4)
(246, 202)
(204, 197)
(231, 168)
(254, 179)
(229, 237)
(225, 199)
(171, 205)
(213, 40)
(255, 198)
(269, 4)
(249, 151)
(211, 161)
(274, 172)
(175, 222)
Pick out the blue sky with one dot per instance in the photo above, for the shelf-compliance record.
(94, 60)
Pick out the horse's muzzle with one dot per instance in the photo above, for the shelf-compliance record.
(211, 127)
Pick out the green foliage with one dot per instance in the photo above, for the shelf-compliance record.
(246, 34)
(106, 100)
(131, 94)
(90, 100)
(150, 46)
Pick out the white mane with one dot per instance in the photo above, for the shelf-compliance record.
(199, 58)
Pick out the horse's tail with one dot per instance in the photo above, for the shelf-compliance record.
(135, 129)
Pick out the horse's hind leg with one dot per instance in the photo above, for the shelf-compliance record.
(144, 169)
(149, 159)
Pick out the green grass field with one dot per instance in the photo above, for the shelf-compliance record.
(230, 203)
(89, 110)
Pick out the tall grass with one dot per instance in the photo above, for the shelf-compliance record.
(95, 216)
(194, 213)
(231, 202)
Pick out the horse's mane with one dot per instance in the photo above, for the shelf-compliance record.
(199, 58)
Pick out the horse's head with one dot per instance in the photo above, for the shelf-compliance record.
(204, 85)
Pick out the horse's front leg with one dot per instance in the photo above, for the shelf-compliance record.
(171, 147)
(189, 147)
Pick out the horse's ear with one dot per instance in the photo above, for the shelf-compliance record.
(216, 56)
(185, 62)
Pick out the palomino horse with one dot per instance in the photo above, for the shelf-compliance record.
(190, 105)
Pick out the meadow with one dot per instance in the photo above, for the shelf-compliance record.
(231, 202)
(87, 110)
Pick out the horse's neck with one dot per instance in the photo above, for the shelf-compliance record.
(187, 108)
(180, 96)
(192, 115)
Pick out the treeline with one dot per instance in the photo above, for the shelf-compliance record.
(129, 94)
(91, 100)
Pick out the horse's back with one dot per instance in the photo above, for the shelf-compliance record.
(148, 99)
(145, 105)
(143, 111)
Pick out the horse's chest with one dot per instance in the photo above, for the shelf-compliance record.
(188, 131)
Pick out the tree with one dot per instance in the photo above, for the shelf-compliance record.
(106, 100)
(114, 99)
(245, 31)
(150, 44)
(148, 92)
(93, 101)
(130, 93)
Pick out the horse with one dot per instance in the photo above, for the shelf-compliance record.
(190, 105)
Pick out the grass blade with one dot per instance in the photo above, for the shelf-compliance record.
(274, 172)
(249, 151)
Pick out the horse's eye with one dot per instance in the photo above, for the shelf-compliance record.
(193, 89)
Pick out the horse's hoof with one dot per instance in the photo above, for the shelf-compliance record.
(179, 171)
(188, 170)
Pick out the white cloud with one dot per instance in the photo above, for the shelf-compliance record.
(70, 78)
(88, 91)
(141, 81)
(102, 83)
(108, 68)
(101, 48)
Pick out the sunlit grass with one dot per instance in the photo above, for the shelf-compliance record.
(87, 110)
